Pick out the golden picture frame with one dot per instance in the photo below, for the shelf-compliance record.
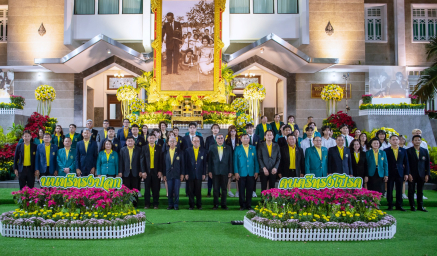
(316, 89)
(215, 95)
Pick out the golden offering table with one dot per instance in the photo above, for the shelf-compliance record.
(186, 113)
(176, 120)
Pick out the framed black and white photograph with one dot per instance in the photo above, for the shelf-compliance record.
(116, 82)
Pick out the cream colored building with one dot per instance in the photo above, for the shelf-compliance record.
(283, 42)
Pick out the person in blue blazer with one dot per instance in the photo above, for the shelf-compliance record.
(124, 132)
(377, 167)
(107, 161)
(276, 126)
(66, 158)
(86, 155)
(46, 165)
(114, 141)
(398, 171)
(246, 169)
(418, 158)
(316, 159)
(340, 158)
(24, 161)
(262, 128)
(173, 171)
(254, 139)
(195, 172)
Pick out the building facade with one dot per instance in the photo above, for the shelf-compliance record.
(288, 45)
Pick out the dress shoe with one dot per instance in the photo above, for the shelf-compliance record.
(176, 208)
(170, 208)
(241, 208)
(215, 208)
(191, 208)
(146, 207)
(423, 209)
(200, 208)
(225, 207)
(208, 195)
(249, 208)
(156, 207)
(390, 208)
(400, 209)
(413, 209)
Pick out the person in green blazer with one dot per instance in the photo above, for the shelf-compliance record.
(107, 161)
(74, 136)
(58, 137)
(246, 170)
(262, 128)
(376, 158)
(66, 158)
(316, 159)
(276, 126)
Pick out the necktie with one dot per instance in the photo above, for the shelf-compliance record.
(347, 144)
(311, 144)
(250, 137)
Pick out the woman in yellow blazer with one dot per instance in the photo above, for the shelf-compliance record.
(107, 161)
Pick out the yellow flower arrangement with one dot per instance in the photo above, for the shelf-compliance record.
(126, 92)
(332, 92)
(45, 93)
(254, 91)
(133, 119)
(136, 105)
(388, 131)
(244, 119)
(240, 105)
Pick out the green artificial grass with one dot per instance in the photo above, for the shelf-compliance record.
(6, 198)
(192, 233)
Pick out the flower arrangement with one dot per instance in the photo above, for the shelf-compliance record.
(18, 100)
(336, 120)
(45, 94)
(155, 117)
(414, 99)
(136, 105)
(367, 98)
(243, 119)
(133, 119)
(222, 107)
(126, 94)
(218, 117)
(254, 91)
(389, 132)
(332, 92)
(10, 106)
(392, 106)
(240, 105)
(320, 209)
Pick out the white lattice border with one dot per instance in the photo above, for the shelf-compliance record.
(402, 112)
(319, 235)
(73, 233)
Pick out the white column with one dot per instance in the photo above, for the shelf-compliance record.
(148, 24)
(304, 14)
(226, 27)
(68, 21)
(400, 53)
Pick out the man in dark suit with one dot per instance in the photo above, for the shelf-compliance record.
(269, 157)
(211, 140)
(292, 159)
(192, 128)
(173, 171)
(195, 172)
(124, 132)
(24, 161)
(262, 128)
(172, 31)
(282, 142)
(398, 171)
(46, 158)
(139, 140)
(220, 167)
(94, 133)
(339, 158)
(151, 164)
(103, 134)
(86, 155)
(253, 138)
(111, 137)
(130, 165)
(276, 125)
(418, 159)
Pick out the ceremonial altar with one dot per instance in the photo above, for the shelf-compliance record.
(185, 113)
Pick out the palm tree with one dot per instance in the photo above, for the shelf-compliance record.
(427, 85)
(228, 76)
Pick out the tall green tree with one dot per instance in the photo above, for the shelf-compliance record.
(427, 85)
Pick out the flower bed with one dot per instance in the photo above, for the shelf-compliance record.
(76, 213)
(332, 214)
(392, 106)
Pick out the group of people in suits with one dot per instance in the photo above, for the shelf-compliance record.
(268, 151)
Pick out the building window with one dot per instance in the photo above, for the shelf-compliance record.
(263, 6)
(424, 24)
(84, 7)
(132, 6)
(3, 25)
(108, 7)
(288, 7)
(239, 6)
(375, 23)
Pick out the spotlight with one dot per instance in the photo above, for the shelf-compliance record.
(262, 50)
(109, 51)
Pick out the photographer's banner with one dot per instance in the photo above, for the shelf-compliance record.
(71, 181)
(335, 180)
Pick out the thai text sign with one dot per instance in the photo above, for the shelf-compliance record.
(331, 181)
(71, 181)
(316, 90)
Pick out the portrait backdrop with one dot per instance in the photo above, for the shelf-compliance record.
(388, 82)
